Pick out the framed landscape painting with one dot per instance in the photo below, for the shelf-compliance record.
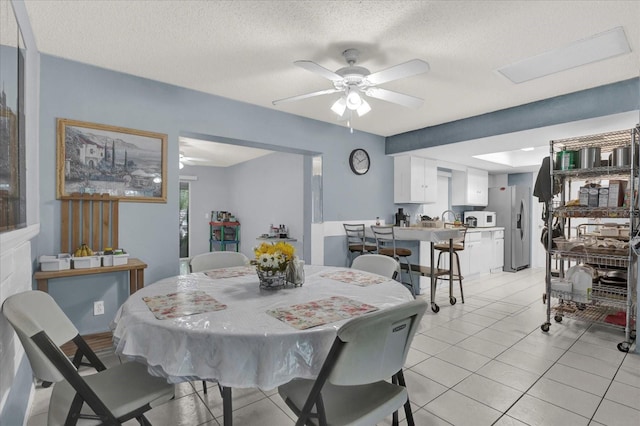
(100, 159)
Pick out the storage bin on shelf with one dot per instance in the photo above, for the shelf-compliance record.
(59, 262)
(85, 262)
(115, 259)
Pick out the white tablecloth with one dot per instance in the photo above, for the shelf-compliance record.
(241, 346)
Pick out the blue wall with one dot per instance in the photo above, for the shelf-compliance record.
(148, 230)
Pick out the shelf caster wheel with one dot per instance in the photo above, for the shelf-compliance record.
(582, 306)
(545, 327)
(623, 347)
(452, 300)
(435, 308)
(558, 318)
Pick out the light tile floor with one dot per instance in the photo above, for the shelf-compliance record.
(485, 362)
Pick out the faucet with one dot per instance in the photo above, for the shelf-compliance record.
(455, 216)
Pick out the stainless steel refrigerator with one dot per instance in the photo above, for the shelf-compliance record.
(511, 204)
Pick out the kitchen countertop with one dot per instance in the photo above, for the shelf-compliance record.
(469, 230)
(493, 228)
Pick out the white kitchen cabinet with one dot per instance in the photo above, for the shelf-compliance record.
(483, 253)
(470, 187)
(473, 259)
(497, 243)
(415, 180)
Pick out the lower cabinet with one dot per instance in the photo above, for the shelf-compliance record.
(497, 243)
(483, 253)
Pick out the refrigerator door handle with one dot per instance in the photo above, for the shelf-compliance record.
(520, 227)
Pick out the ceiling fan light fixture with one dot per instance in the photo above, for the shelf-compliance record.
(364, 108)
(354, 100)
(339, 106)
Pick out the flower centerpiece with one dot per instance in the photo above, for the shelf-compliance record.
(271, 262)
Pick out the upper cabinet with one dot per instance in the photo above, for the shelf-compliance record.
(415, 180)
(470, 188)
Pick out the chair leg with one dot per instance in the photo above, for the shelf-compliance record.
(204, 386)
(459, 277)
(413, 289)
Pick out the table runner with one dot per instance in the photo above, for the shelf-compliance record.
(319, 312)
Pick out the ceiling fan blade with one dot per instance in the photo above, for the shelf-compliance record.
(308, 95)
(320, 70)
(394, 97)
(407, 69)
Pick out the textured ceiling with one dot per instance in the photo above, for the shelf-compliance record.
(245, 50)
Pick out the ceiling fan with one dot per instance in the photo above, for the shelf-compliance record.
(190, 161)
(354, 81)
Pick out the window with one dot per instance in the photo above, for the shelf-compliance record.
(13, 209)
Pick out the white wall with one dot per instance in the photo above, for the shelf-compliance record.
(255, 201)
(209, 192)
(16, 246)
(268, 190)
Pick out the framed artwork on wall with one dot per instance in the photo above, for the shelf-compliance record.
(101, 159)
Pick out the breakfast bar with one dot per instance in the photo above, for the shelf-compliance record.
(432, 236)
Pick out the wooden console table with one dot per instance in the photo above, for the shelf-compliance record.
(135, 267)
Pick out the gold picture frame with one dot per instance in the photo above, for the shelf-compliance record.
(97, 158)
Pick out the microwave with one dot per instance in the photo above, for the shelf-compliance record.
(483, 219)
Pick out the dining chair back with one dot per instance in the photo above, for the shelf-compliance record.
(386, 245)
(217, 259)
(110, 396)
(352, 386)
(357, 243)
(377, 264)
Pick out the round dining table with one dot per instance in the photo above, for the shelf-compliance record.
(220, 326)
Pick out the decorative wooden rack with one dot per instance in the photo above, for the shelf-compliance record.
(90, 219)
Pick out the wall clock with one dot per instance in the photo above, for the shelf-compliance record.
(359, 161)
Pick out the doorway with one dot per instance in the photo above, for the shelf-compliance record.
(183, 219)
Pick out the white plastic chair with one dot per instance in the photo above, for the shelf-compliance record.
(352, 386)
(377, 264)
(111, 396)
(217, 259)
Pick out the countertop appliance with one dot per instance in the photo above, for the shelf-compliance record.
(512, 207)
(471, 221)
(484, 219)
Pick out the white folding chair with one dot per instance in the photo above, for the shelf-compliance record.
(110, 396)
(377, 264)
(217, 259)
(352, 387)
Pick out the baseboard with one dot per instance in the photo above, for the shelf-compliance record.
(97, 342)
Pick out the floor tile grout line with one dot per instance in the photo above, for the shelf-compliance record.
(538, 379)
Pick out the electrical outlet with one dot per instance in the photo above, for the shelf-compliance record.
(98, 307)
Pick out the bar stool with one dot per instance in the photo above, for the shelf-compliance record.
(386, 243)
(458, 246)
(356, 241)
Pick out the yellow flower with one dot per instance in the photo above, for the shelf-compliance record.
(274, 257)
(286, 249)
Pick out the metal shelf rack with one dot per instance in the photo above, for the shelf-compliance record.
(610, 305)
